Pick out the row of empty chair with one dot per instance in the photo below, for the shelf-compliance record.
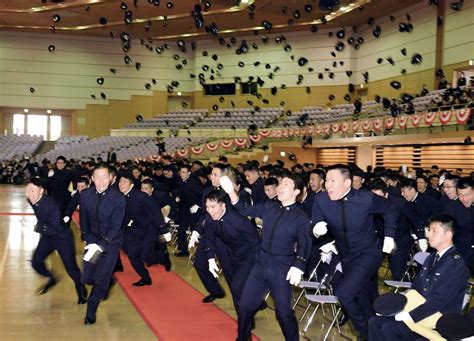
(66, 141)
(18, 146)
(173, 119)
(241, 118)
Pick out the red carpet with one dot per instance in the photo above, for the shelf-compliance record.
(172, 308)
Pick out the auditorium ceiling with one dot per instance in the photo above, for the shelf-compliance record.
(174, 19)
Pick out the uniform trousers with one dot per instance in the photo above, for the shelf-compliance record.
(64, 244)
(99, 275)
(358, 287)
(386, 328)
(139, 249)
(268, 274)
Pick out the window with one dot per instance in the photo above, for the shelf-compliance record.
(219, 89)
(54, 127)
(18, 124)
(37, 125)
(248, 88)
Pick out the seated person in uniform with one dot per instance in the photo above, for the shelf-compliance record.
(442, 282)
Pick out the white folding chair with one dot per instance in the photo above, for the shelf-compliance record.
(418, 259)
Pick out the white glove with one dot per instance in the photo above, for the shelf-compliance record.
(320, 229)
(66, 219)
(213, 268)
(226, 184)
(326, 257)
(194, 239)
(91, 250)
(167, 237)
(50, 173)
(388, 245)
(329, 247)
(73, 192)
(167, 220)
(422, 244)
(404, 316)
(193, 209)
(130, 223)
(294, 275)
(177, 199)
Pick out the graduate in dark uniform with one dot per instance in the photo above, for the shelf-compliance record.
(59, 180)
(238, 235)
(101, 217)
(141, 224)
(442, 281)
(282, 260)
(348, 215)
(462, 211)
(449, 189)
(189, 195)
(424, 187)
(55, 235)
(270, 188)
(403, 240)
(82, 183)
(255, 182)
(419, 208)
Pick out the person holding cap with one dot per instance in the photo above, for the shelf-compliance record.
(442, 281)
(348, 214)
(101, 217)
(82, 183)
(59, 180)
(286, 246)
(55, 235)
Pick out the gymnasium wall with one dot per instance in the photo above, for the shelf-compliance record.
(66, 78)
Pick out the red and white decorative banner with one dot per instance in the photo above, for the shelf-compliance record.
(462, 115)
(326, 128)
(155, 158)
(429, 118)
(345, 127)
(445, 117)
(335, 127)
(284, 133)
(355, 126)
(402, 121)
(264, 132)
(183, 152)
(255, 138)
(415, 120)
(197, 150)
(212, 147)
(291, 131)
(297, 132)
(276, 133)
(226, 144)
(240, 142)
(318, 130)
(389, 122)
(309, 130)
(366, 125)
(378, 124)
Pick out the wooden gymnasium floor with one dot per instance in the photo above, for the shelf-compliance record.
(56, 316)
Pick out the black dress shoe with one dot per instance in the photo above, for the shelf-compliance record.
(81, 294)
(109, 290)
(342, 319)
(181, 254)
(89, 320)
(167, 262)
(142, 282)
(211, 297)
(44, 289)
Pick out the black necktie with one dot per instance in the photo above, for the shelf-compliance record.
(344, 224)
(436, 259)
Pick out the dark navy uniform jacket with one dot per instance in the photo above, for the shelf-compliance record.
(142, 215)
(59, 184)
(102, 216)
(419, 211)
(443, 285)
(282, 228)
(236, 231)
(258, 191)
(307, 204)
(49, 217)
(445, 202)
(164, 199)
(464, 217)
(403, 228)
(71, 207)
(350, 220)
(432, 193)
(190, 193)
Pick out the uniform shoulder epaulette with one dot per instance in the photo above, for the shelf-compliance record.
(456, 256)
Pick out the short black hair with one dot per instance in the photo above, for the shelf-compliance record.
(102, 166)
(465, 183)
(251, 167)
(410, 183)
(378, 184)
(84, 180)
(220, 166)
(148, 182)
(216, 195)
(446, 221)
(60, 157)
(271, 181)
(319, 172)
(345, 170)
(185, 165)
(422, 177)
(297, 181)
(38, 182)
